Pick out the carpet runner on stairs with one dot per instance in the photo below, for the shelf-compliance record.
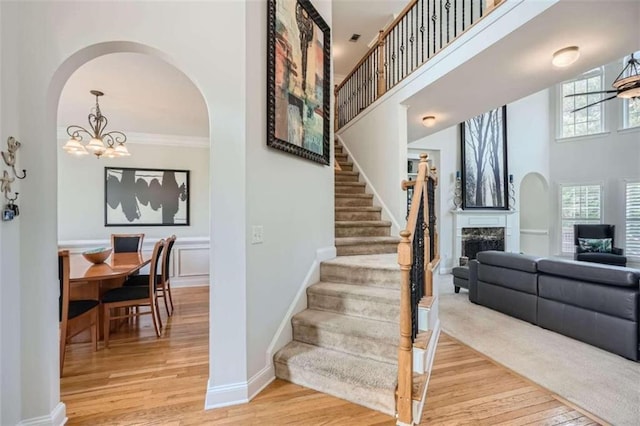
(346, 342)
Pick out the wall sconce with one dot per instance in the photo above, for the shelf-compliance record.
(512, 194)
(428, 121)
(457, 192)
(565, 57)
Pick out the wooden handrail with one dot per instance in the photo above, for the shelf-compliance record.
(402, 14)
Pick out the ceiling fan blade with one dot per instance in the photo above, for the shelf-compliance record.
(595, 103)
(591, 93)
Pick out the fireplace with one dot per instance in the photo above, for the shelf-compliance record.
(477, 230)
(475, 240)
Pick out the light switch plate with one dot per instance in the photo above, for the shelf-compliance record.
(257, 232)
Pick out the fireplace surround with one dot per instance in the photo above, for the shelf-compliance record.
(486, 227)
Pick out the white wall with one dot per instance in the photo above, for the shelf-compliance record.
(82, 217)
(527, 152)
(44, 43)
(607, 159)
(292, 198)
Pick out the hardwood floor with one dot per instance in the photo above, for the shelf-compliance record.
(143, 380)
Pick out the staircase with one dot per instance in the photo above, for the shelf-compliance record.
(346, 342)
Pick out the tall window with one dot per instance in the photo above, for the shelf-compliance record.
(631, 107)
(633, 219)
(579, 204)
(586, 121)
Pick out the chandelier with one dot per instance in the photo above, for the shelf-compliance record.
(110, 144)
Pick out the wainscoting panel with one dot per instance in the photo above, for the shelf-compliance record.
(189, 258)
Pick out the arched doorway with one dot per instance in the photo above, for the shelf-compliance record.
(534, 215)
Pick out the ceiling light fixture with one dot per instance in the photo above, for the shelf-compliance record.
(565, 57)
(110, 144)
(428, 121)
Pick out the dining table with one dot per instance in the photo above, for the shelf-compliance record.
(90, 281)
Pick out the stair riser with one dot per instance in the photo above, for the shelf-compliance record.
(333, 339)
(353, 202)
(357, 394)
(346, 178)
(360, 276)
(378, 248)
(337, 149)
(358, 215)
(346, 167)
(363, 231)
(344, 304)
(349, 189)
(341, 157)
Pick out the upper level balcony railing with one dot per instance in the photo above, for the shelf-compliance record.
(421, 30)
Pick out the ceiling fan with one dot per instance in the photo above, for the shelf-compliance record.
(626, 85)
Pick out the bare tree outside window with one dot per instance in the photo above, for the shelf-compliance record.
(484, 160)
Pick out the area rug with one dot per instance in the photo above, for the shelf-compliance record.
(602, 383)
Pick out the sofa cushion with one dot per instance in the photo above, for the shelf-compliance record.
(517, 261)
(592, 272)
(619, 302)
(509, 278)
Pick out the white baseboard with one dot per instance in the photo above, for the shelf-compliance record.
(261, 380)
(225, 395)
(57, 417)
(395, 225)
(197, 281)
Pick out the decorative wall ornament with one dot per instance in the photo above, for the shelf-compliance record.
(298, 79)
(484, 161)
(457, 192)
(512, 194)
(10, 156)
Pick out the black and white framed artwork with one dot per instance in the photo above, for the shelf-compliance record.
(146, 197)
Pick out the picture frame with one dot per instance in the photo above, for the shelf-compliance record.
(298, 80)
(146, 197)
(484, 161)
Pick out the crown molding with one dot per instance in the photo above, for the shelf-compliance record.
(153, 139)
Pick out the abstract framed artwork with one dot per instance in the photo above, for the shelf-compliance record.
(298, 80)
(146, 197)
(484, 161)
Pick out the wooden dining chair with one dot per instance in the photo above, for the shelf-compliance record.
(127, 243)
(134, 297)
(163, 279)
(74, 315)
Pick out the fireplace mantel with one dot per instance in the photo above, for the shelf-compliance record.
(477, 218)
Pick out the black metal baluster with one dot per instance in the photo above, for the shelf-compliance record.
(417, 267)
(433, 19)
(481, 8)
(464, 17)
(440, 19)
(471, 13)
(447, 6)
(411, 39)
(422, 31)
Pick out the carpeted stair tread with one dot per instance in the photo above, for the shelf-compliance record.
(361, 223)
(358, 209)
(370, 196)
(382, 331)
(346, 172)
(376, 261)
(350, 184)
(362, 381)
(354, 241)
(377, 294)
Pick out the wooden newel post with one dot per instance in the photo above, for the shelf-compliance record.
(381, 74)
(405, 349)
